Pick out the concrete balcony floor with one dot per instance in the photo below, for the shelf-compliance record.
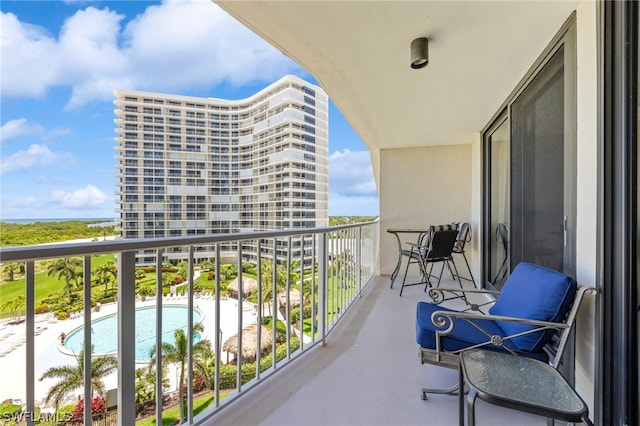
(368, 373)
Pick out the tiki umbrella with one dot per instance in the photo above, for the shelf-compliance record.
(249, 285)
(249, 342)
(294, 298)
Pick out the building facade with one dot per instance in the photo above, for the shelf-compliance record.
(194, 166)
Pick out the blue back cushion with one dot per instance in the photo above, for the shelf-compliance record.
(537, 293)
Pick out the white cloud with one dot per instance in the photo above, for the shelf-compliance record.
(177, 45)
(22, 202)
(351, 174)
(28, 58)
(34, 156)
(86, 198)
(17, 128)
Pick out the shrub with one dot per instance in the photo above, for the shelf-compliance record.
(41, 308)
(106, 300)
(211, 276)
(62, 315)
(98, 405)
(177, 280)
(9, 410)
(198, 385)
(228, 372)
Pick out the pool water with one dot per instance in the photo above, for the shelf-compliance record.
(104, 336)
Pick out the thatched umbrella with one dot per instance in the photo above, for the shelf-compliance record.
(249, 342)
(294, 298)
(249, 285)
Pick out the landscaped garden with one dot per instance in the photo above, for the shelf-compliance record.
(59, 291)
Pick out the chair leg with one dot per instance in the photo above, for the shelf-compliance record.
(423, 274)
(439, 276)
(406, 271)
(453, 274)
(464, 256)
(404, 279)
(453, 390)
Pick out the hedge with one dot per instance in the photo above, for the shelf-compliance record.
(229, 372)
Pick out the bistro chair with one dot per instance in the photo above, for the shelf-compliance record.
(463, 237)
(435, 246)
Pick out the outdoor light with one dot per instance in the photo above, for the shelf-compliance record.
(419, 53)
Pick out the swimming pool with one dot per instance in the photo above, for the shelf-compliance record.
(104, 336)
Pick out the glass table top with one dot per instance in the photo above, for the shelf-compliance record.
(520, 381)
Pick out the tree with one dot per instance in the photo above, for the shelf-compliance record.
(10, 268)
(266, 278)
(72, 377)
(104, 274)
(15, 306)
(179, 353)
(145, 389)
(205, 365)
(207, 265)
(66, 268)
(183, 269)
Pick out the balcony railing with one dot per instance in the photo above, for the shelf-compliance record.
(332, 266)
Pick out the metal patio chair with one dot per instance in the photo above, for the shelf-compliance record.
(464, 236)
(533, 317)
(434, 246)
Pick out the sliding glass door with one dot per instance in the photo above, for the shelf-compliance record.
(529, 163)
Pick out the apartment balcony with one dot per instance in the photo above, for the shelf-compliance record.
(366, 373)
(360, 367)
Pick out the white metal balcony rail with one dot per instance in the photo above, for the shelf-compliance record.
(341, 261)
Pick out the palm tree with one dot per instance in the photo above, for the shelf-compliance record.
(10, 268)
(66, 268)
(104, 273)
(145, 389)
(266, 278)
(179, 353)
(72, 377)
(205, 365)
(15, 306)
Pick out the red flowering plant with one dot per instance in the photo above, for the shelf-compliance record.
(98, 405)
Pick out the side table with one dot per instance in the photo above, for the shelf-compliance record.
(396, 233)
(519, 383)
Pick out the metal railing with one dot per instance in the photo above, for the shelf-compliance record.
(299, 299)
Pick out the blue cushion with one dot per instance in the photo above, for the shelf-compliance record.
(537, 293)
(463, 335)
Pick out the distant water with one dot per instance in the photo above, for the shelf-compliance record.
(106, 220)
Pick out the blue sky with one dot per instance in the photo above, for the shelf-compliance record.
(60, 63)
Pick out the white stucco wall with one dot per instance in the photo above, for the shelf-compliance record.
(421, 187)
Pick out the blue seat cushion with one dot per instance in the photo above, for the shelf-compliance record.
(537, 293)
(464, 334)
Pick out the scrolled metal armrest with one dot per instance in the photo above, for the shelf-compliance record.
(437, 293)
(442, 319)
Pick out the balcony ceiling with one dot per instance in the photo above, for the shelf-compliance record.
(359, 53)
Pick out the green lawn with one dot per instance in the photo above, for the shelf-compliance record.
(45, 285)
(170, 416)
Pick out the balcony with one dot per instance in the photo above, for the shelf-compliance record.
(344, 258)
(361, 363)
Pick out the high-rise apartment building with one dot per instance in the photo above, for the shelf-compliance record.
(195, 166)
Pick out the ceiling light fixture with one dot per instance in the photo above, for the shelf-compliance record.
(419, 53)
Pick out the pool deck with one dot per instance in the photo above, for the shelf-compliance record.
(49, 353)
